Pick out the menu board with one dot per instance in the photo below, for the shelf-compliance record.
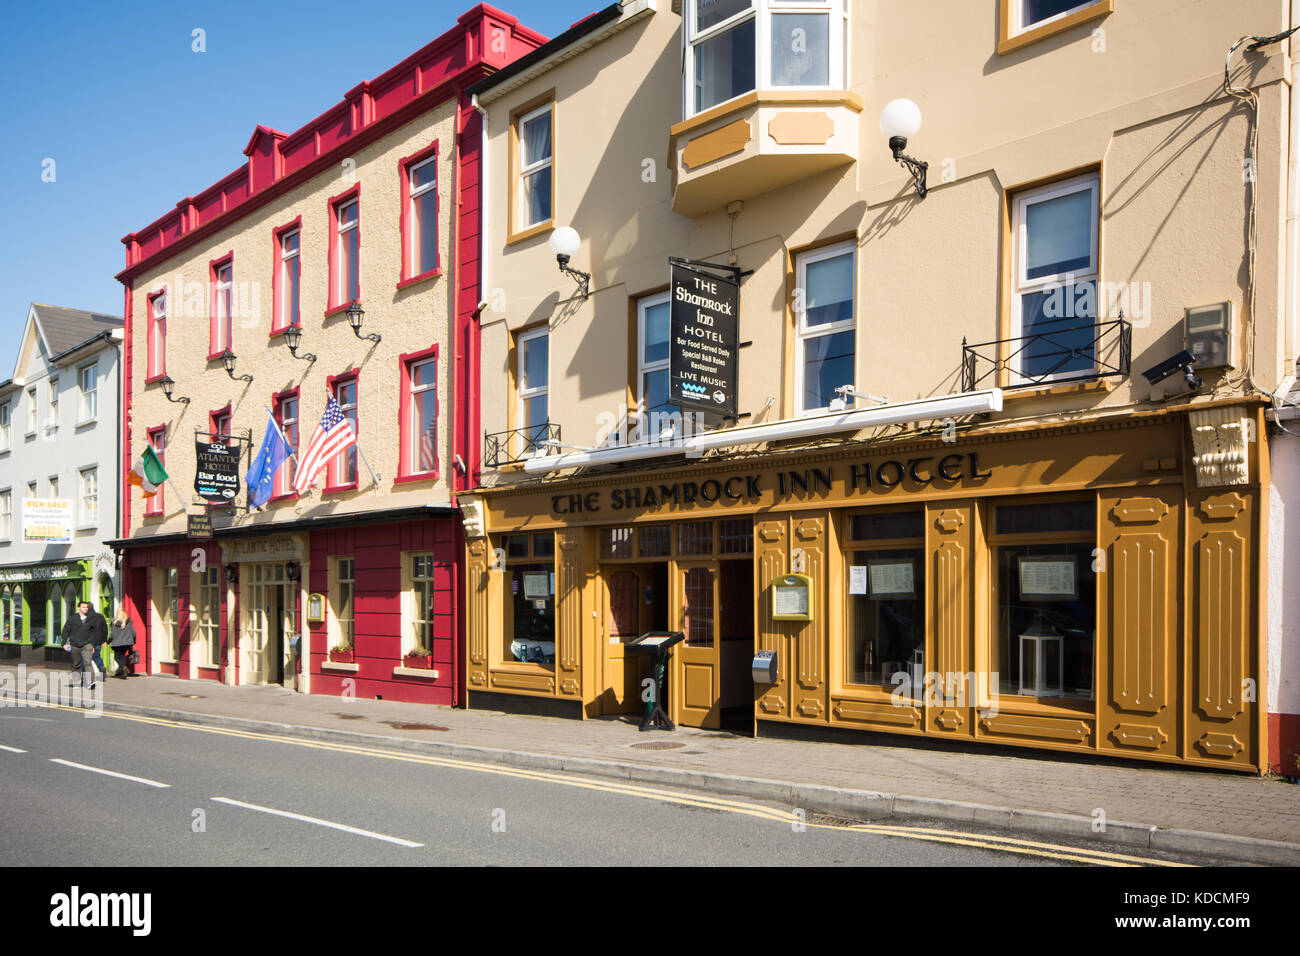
(858, 579)
(792, 598)
(537, 586)
(891, 579)
(1048, 578)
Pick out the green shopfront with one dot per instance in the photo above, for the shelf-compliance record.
(35, 602)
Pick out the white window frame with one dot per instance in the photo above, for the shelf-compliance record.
(529, 392)
(838, 33)
(411, 618)
(6, 424)
(158, 344)
(209, 631)
(340, 232)
(84, 493)
(413, 251)
(87, 397)
(525, 170)
(53, 483)
(1022, 286)
(803, 333)
(337, 631)
(413, 419)
(225, 307)
(31, 411)
(643, 368)
(52, 404)
(1018, 14)
(288, 319)
(6, 513)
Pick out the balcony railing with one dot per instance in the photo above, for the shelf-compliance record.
(1078, 353)
(516, 444)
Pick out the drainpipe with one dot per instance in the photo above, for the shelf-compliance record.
(1289, 332)
(483, 196)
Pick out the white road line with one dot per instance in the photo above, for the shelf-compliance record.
(12, 750)
(110, 773)
(318, 822)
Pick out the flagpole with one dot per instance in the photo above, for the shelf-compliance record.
(373, 476)
(281, 431)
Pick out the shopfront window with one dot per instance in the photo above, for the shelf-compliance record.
(529, 586)
(210, 616)
(168, 608)
(6, 611)
(886, 595)
(17, 596)
(1046, 600)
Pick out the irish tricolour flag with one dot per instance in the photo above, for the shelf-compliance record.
(147, 472)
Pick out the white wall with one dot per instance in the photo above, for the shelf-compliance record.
(1284, 574)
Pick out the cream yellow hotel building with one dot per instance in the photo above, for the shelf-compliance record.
(971, 488)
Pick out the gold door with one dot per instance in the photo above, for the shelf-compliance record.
(623, 622)
(695, 685)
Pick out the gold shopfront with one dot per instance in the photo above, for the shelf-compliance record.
(1078, 588)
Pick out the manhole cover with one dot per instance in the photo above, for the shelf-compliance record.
(348, 716)
(173, 693)
(398, 725)
(658, 745)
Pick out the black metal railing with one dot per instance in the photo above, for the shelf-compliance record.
(516, 444)
(1077, 353)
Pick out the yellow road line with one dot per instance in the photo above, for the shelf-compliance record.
(741, 807)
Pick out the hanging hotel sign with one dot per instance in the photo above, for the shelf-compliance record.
(702, 359)
(216, 473)
(47, 520)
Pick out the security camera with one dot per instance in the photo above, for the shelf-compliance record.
(1180, 362)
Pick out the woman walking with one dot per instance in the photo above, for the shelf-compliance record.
(122, 639)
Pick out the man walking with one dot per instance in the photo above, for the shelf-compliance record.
(82, 636)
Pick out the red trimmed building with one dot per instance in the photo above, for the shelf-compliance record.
(339, 261)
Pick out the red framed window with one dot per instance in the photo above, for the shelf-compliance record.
(156, 336)
(345, 249)
(285, 408)
(419, 218)
(221, 318)
(158, 439)
(343, 466)
(418, 415)
(286, 277)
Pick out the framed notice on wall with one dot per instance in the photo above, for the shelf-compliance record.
(792, 598)
(315, 608)
(892, 578)
(1048, 578)
(537, 586)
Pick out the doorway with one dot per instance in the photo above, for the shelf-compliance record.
(269, 612)
(637, 601)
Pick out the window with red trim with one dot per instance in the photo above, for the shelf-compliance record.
(419, 217)
(419, 415)
(158, 439)
(156, 336)
(288, 275)
(221, 320)
(345, 249)
(343, 466)
(285, 408)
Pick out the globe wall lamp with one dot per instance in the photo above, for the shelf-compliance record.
(899, 122)
(355, 315)
(564, 243)
(228, 360)
(169, 386)
(293, 339)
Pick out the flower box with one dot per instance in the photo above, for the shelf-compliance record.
(420, 661)
(340, 656)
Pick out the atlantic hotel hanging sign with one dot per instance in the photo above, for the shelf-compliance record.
(840, 481)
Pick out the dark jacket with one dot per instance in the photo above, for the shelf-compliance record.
(92, 630)
(121, 635)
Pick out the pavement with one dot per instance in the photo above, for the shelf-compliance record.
(1228, 817)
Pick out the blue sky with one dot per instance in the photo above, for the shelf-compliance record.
(135, 120)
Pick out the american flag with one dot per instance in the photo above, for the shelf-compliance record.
(428, 460)
(333, 435)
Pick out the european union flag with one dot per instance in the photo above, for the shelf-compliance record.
(261, 473)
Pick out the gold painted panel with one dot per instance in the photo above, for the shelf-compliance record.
(801, 129)
(725, 141)
(1222, 615)
(1054, 729)
(887, 715)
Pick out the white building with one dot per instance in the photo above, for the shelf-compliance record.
(60, 432)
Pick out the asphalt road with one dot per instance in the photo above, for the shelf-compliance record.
(130, 791)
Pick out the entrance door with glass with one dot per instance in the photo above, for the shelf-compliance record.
(268, 626)
(697, 666)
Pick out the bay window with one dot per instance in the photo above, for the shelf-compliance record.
(1055, 269)
(825, 322)
(733, 47)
